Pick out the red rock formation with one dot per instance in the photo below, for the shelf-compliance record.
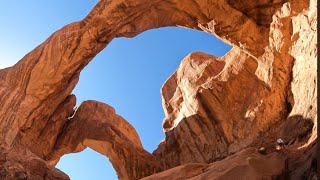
(96, 125)
(246, 164)
(263, 89)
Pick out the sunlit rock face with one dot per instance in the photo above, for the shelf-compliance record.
(217, 106)
(217, 109)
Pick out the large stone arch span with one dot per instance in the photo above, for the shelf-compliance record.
(37, 109)
(51, 70)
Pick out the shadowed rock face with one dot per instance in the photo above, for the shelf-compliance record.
(214, 107)
(246, 164)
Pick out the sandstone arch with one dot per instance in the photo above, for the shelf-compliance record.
(269, 39)
(96, 125)
(76, 44)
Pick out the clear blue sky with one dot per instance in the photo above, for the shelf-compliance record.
(127, 75)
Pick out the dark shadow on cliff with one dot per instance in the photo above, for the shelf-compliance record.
(194, 140)
(295, 132)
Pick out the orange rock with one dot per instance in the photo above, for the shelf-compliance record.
(96, 125)
(246, 164)
(262, 89)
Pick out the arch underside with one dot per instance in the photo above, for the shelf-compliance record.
(38, 113)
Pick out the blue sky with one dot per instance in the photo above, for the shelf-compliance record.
(127, 75)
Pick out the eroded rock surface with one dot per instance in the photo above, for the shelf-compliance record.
(263, 89)
(96, 125)
(217, 106)
(246, 164)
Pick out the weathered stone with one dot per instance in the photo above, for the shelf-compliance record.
(246, 164)
(96, 125)
(262, 90)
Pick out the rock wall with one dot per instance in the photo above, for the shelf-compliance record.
(263, 89)
(217, 106)
(246, 164)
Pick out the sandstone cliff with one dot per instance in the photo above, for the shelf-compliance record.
(218, 110)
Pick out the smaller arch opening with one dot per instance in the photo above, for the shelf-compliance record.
(92, 164)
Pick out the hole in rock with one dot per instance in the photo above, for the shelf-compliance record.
(128, 75)
(87, 164)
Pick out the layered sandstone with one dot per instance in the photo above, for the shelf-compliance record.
(263, 89)
(247, 164)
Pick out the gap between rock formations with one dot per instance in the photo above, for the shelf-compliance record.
(218, 110)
